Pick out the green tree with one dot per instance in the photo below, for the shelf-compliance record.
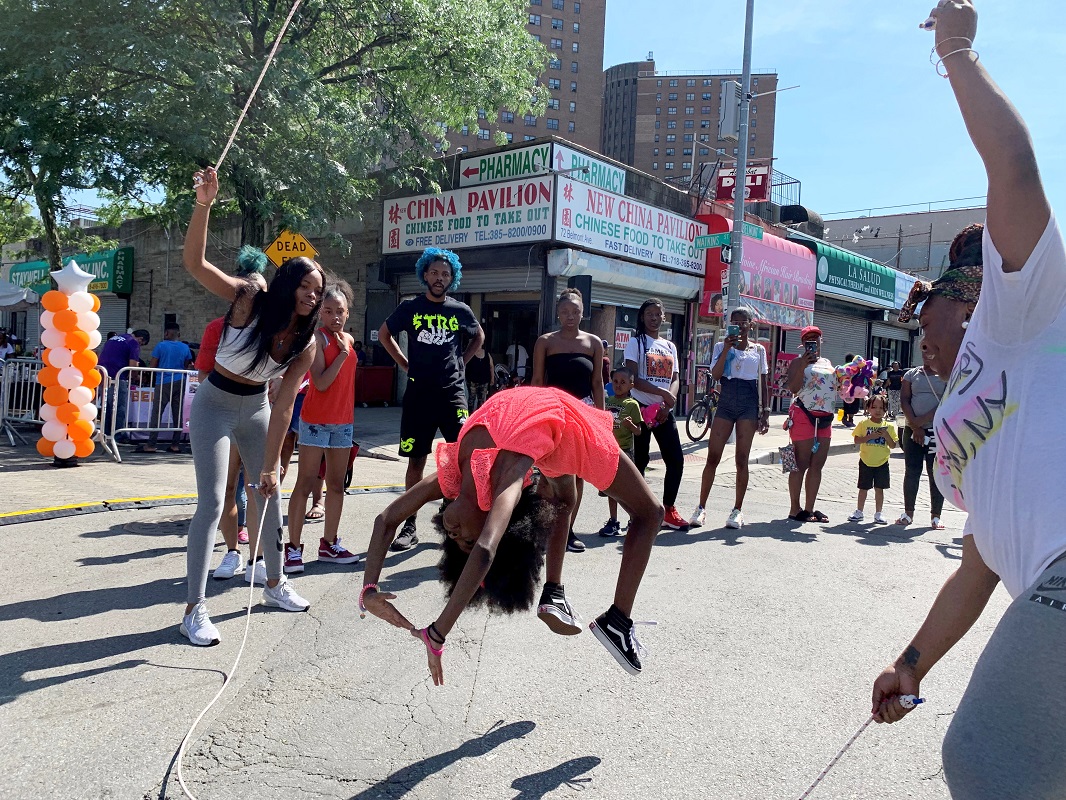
(17, 223)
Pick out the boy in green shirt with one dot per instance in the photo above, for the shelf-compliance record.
(626, 413)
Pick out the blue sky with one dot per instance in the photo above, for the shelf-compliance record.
(871, 124)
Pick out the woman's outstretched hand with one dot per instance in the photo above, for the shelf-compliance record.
(436, 668)
(377, 603)
(206, 182)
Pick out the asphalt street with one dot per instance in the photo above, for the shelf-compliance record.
(758, 671)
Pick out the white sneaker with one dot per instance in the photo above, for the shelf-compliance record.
(699, 517)
(232, 564)
(197, 627)
(259, 573)
(736, 519)
(880, 518)
(284, 596)
(856, 516)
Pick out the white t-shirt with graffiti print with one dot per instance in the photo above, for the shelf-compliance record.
(1001, 440)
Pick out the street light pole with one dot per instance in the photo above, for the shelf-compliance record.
(737, 239)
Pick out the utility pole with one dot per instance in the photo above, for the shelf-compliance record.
(737, 239)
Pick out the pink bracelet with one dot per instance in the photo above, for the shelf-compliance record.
(429, 643)
(362, 594)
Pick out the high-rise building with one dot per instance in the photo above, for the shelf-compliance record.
(666, 123)
(572, 31)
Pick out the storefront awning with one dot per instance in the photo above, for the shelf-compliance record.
(567, 262)
(848, 275)
(113, 271)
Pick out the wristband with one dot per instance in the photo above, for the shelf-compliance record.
(438, 652)
(203, 205)
(362, 596)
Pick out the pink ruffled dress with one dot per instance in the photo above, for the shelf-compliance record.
(562, 435)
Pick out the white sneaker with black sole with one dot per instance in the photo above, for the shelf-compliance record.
(615, 632)
(856, 516)
(259, 573)
(555, 611)
(198, 628)
(284, 596)
(232, 564)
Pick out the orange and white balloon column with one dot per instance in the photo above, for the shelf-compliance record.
(69, 333)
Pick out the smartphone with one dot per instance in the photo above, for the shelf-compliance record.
(811, 347)
(732, 330)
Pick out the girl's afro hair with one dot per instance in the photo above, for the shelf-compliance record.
(251, 260)
(431, 254)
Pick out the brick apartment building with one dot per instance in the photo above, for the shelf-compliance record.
(666, 123)
(572, 31)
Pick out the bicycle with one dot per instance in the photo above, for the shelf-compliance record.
(702, 412)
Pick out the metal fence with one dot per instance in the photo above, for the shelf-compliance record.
(148, 405)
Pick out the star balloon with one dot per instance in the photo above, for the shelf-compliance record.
(72, 278)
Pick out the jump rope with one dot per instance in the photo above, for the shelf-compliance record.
(907, 701)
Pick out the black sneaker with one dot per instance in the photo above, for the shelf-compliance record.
(554, 609)
(573, 544)
(611, 528)
(407, 537)
(615, 632)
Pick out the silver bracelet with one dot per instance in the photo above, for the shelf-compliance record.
(953, 52)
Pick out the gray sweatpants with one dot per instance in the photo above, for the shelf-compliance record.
(1008, 736)
(216, 419)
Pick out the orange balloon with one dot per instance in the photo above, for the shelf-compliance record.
(54, 301)
(55, 395)
(77, 340)
(65, 321)
(86, 447)
(96, 303)
(45, 447)
(46, 357)
(48, 376)
(91, 379)
(84, 360)
(79, 430)
(67, 413)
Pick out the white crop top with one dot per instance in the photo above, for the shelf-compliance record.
(233, 356)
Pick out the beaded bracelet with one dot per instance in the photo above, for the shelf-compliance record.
(362, 595)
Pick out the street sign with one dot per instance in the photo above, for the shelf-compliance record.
(523, 162)
(713, 240)
(289, 245)
(752, 230)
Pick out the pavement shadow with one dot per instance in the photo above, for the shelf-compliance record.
(875, 535)
(13, 666)
(952, 551)
(124, 558)
(405, 779)
(783, 530)
(535, 786)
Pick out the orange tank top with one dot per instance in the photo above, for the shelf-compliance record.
(335, 405)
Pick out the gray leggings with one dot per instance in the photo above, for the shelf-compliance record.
(217, 418)
(1008, 735)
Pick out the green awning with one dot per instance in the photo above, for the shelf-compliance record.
(113, 270)
(842, 273)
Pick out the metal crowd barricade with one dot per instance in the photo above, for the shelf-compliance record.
(133, 412)
(20, 397)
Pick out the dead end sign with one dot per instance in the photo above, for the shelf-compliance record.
(289, 245)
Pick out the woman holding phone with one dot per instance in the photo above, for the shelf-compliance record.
(812, 379)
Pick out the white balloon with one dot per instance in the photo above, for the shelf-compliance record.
(48, 413)
(54, 431)
(80, 395)
(80, 301)
(46, 320)
(88, 321)
(70, 377)
(94, 339)
(60, 357)
(51, 338)
(64, 449)
(88, 412)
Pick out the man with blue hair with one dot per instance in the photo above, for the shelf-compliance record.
(435, 396)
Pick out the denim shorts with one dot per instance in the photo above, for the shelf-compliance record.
(328, 436)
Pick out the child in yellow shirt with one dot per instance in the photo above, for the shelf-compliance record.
(875, 439)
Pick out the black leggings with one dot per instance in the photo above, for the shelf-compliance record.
(670, 446)
(917, 456)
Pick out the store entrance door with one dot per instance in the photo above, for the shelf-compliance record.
(508, 324)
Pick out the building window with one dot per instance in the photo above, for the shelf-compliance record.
(686, 151)
(655, 151)
(688, 137)
(751, 123)
(577, 27)
(559, 4)
(754, 81)
(672, 96)
(690, 97)
(736, 151)
(536, 36)
(654, 164)
(658, 97)
(534, 19)
(574, 47)
(481, 114)
(751, 151)
(706, 96)
(577, 8)
(671, 124)
(530, 121)
(534, 2)
(708, 81)
(689, 110)
(573, 86)
(557, 24)
(483, 134)
(690, 123)
(668, 165)
(554, 63)
(704, 151)
(671, 110)
(573, 107)
(553, 103)
(571, 126)
(555, 44)
(720, 151)
(686, 165)
(669, 151)
(573, 66)
(705, 109)
(510, 137)
(753, 137)
(671, 137)
(465, 130)
(705, 123)
(507, 116)
(673, 82)
(658, 83)
(658, 111)
(705, 137)
(552, 124)
(554, 83)
(753, 108)
(528, 138)
(657, 123)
